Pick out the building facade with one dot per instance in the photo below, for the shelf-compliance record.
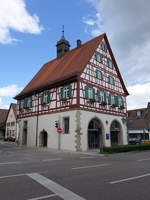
(83, 92)
(3, 116)
(139, 123)
(11, 122)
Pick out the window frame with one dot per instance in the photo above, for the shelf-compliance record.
(64, 124)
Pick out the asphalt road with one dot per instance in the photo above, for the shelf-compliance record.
(33, 174)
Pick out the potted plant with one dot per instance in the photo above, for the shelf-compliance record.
(103, 103)
(113, 105)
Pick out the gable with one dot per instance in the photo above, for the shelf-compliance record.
(102, 70)
(11, 115)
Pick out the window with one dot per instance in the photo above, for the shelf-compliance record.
(27, 103)
(99, 96)
(21, 104)
(111, 80)
(8, 123)
(99, 74)
(104, 98)
(99, 57)
(66, 125)
(65, 92)
(138, 113)
(110, 63)
(12, 123)
(89, 93)
(110, 99)
(45, 98)
(103, 47)
(116, 98)
(121, 102)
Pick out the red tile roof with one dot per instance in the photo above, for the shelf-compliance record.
(3, 115)
(71, 64)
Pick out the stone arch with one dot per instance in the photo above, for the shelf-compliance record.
(43, 138)
(95, 134)
(116, 133)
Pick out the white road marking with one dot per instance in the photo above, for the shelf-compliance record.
(10, 163)
(10, 176)
(90, 166)
(86, 157)
(144, 159)
(54, 187)
(44, 197)
(51, 159)
(130, 179)
(16, 175)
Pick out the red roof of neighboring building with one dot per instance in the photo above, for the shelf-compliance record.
(70, 65)
(3, 115)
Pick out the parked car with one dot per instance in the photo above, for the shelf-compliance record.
(134, 141)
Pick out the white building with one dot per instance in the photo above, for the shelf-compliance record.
(83, 90)
(11, 122)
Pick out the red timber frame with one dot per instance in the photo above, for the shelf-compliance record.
(88, 77)
(78, 100)
(54, 105)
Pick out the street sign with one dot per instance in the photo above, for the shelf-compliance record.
(59, 130)
(107, 136)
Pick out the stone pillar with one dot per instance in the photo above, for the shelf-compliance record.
(107, 134)
(78, 131)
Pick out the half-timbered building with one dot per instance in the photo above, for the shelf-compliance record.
(81, 91)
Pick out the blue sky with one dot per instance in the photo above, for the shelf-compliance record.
(29, 33)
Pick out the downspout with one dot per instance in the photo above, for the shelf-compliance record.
(37, 122)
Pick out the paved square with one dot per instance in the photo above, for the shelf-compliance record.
(34, 174)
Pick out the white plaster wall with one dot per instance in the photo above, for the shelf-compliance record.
(31, 130)
(47, 122)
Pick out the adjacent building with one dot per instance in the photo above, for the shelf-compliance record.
(139, 123)
(83, 92)
(3, 116)
(11, 122)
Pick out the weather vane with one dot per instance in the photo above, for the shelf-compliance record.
(63, 30)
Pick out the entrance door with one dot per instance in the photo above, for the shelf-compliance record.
(115, 133)
(43, 138)
(114, 137)
(25, 133)
(24, 137)
(94, 133)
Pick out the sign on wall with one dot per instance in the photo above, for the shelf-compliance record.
(107, 136)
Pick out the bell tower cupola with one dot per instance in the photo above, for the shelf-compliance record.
(62, 45)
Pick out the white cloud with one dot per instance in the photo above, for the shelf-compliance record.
(139, 96)
(127, 26)
(88, 21)
(95, 24)
(7, 93)
(14, 16)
